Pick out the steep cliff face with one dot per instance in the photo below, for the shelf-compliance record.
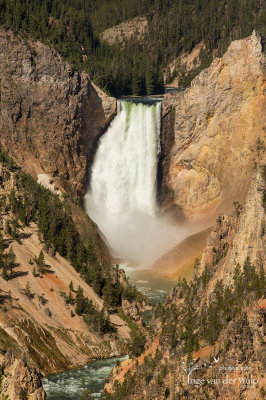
(237, 237)
(19, 379)
(50, 115)
(208, 337)
(38, 313)
(210, 133)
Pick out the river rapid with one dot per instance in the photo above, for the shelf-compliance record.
(122, 200)
(69, 385)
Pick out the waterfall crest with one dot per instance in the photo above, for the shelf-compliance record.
(122, 195)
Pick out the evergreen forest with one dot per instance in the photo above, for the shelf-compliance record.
(29, 203)
(174, 26)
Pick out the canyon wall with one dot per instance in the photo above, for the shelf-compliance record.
(207, 339)
(19, 380)
(230, 366)
(38, 316)
(211, 132)
(238, 236)
(50, 115)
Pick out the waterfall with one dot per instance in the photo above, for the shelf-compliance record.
(122, 194)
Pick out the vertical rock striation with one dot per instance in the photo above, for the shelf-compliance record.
(238, 236)
(50, 115)
(209, 146)
(18, 376)
(166, 369)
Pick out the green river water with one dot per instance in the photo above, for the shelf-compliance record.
(67, 385)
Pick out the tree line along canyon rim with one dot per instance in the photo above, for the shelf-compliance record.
(132, 200)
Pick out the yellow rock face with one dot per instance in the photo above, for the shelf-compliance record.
(217, 124)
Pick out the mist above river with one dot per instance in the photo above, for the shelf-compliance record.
(137, 237)
(123, 188)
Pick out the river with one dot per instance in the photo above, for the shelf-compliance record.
(122, 200)
(68, 385)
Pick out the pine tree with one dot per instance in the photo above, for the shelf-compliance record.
(11, 258)
(2, 243)
(149, 84)
(168, 76)
(80, 301)
(69, 299)
(23, 394)
(4, 272)
(15, 230)
(71, 287)
(40, 262)
(8, 227)
(135, 82)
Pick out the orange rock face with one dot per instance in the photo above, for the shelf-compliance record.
(210, 133)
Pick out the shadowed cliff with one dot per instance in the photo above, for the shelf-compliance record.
(50, 115)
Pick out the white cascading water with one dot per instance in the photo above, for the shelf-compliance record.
(122, 195)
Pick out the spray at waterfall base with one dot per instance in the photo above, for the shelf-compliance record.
(123, 188)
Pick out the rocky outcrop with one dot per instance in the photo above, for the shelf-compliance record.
(211, 131)
(207, 339)
(19, 378)
(238, 236)
(37, 317)
(134, 309)
(186, 63)
(122, 33)
(231, 365)
(50, 115)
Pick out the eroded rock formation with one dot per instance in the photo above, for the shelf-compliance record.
(211, 131)
(36, 318)
(238, 236)
(18, 377)
(207, 338)
(50, 116)
(231, 365)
